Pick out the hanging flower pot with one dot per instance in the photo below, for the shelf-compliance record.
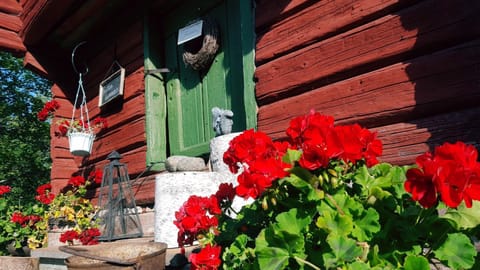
(81, 143)
(78, 129)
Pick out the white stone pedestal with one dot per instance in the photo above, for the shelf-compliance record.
(173, 189)
(218, 146)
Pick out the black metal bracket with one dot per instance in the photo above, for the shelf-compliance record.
(156, 71)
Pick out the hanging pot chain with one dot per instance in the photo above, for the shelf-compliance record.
(85, 126)
(83, 107)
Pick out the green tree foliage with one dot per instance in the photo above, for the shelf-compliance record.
(24, 141)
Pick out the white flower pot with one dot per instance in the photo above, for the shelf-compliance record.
(81, 143)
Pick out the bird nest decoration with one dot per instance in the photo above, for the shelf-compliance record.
(201, 59)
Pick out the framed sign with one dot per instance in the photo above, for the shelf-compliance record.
(190, 32)
(111, 87)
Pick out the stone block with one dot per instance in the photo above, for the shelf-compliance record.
(173, 189)
(218, 146)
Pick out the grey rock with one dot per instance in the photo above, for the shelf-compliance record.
(185, 163)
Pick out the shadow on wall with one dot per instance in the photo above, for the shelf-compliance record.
(444, 69)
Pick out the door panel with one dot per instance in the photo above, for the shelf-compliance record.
(192, 94)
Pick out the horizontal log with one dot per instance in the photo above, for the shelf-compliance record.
(267, 11)
(133, 100)
(30, 63)
(10, 22)
(40, 16)
(427, 85)
(143, 190)
(11, 42)
(320, 20)
(403, 142)
(10, 7)
(384, 41)
(127, 136)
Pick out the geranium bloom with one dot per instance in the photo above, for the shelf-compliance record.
(96, 176)
(458, 173)
(305, 124)
(76, 181)
(44, 195)
(69, 236)
(420, 184)
(89, 237)
(48, 109)
(63, 128)
(225, 193)
(261, 160)
(259, 176)
(100, 122)
(207, 259)
(452, 171)
(247, 147)
(4, 189)
(315, 135)
(197, 215)
(18, 218)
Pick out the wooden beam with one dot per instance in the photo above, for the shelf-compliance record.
(11, 42)
(388, 40)
(32, 64)
(40, 18)
(433, 84)
(268, 12)
(318, 21)
(10, 7)
(10, 22)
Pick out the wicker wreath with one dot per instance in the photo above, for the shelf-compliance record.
(202, 59)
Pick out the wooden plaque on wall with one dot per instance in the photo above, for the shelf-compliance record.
(111, 87)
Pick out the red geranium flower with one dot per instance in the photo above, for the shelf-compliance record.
(4, 189)
(248, 147)
(96, 176)
(100, 122)
(197, 215)
(89, 237)
(452, 171)
(457, 174)
(76, 181)
(48, 110)
(226, 192)
(69, 236)
(207, 259)
(19, 218)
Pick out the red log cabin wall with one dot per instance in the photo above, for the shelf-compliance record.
(408, 69)
(126, 118)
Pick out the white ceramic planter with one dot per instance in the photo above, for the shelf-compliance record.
(81, 143)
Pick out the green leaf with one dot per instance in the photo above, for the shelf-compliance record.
(463, 217)
(358, 266)
(343, 250)
(458, 251)
(291, 156)
(332, 222)
(238, 255)
(271, 258)
(367, 225)
(415, 262)
(282, 240)
(292, 222)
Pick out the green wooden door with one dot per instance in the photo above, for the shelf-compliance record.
(227, 84)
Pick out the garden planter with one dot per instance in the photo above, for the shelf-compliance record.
(81, 143)
(110, 256)
(23, 251)
(16, 263)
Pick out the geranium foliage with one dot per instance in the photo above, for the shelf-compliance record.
(322, 200)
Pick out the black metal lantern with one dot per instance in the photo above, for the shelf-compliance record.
(118, 215)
